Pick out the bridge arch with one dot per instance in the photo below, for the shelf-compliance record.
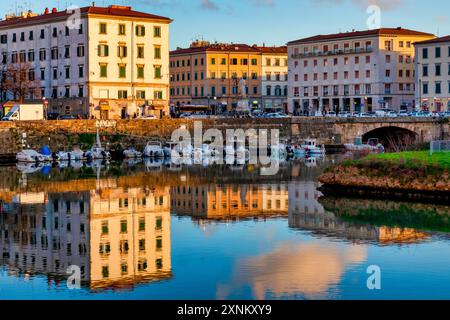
(393, 138)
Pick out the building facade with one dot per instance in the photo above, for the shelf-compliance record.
(211, 74)
(433, 74)
(108, 62)
(274, 75)
(358, 71)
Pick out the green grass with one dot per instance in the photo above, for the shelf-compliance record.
(413, 158)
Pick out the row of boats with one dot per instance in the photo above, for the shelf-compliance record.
(157, 150)
(97, 152)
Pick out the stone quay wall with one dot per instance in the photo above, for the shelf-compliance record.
(62, 135)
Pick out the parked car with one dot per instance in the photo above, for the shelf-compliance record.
(66, 117)
(330, 114)
(149, 117)
(52, 116)
(344, 114)
(403, 113)
(424, 114)
(391, 114)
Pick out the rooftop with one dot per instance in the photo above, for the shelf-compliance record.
(366, 33)
(202, 46)
(49, 15)
(436, 40)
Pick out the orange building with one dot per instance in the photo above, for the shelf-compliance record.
(209, 75)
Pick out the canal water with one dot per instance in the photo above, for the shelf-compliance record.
(150, 231)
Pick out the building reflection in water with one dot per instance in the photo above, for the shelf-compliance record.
(307, 213)
(118, 237)
(230, 202)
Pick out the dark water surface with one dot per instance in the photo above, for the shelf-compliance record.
(151, 232)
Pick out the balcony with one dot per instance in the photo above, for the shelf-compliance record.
(331, 53)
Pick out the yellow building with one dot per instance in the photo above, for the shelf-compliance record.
(230, 202)
(209, 75)
(129, 237)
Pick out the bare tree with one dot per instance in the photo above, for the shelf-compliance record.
(19, 80)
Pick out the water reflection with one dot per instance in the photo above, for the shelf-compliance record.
(117, 222)
(119, 237)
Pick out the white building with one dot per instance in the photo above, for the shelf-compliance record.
(107, 62)
(433, 74)
(357, 71)
(274, 78)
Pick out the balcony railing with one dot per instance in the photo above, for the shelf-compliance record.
(331, 53)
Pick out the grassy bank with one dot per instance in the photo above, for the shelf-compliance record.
(407, 171)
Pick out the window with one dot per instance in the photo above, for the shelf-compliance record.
(67, 91)
(388, 45)
(438, 52)
(55, 73)
(425, 88)
(81, 71)
(103, 70)
(31, 55)
(55, 32)
(425, 53)
(4, 38)
(122, 94)
(102, 28)
(14, 39)
(67, 32)
(157, 72)
(140, 51)
(42, 55)
(158, 53)
(67, 72)
(80, 50)
(122, 70)
(438, 88)
(42, 36)
(122, 51)
(103, 50)
(140, 71)
(31, 35)
(67, 52)
(254, 62)
(140, 31)
(54, 53)
(122, 30)
(140, 94)
(43, 74)
(158, 95)
(157, 32)
(14, 57)
(438, 69)
(425, 70)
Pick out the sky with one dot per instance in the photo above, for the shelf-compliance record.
(270, 22)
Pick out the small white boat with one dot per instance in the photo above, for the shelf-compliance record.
(154, 150)
(132, 153)
(75, 155)
(97, 152)
(29, 168)
(310, 147)
(30, 156)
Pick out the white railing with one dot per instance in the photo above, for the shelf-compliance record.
(439, 146)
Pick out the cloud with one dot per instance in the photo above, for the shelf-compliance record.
(385, 5)
(209, 5)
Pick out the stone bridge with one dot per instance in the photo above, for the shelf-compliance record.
(60, 135)
(345, 130)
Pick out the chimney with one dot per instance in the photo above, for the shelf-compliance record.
(54, 10)
(46, 11)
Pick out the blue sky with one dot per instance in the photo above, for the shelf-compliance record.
(273, 22)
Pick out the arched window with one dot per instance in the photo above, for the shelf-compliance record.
(269, 90)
